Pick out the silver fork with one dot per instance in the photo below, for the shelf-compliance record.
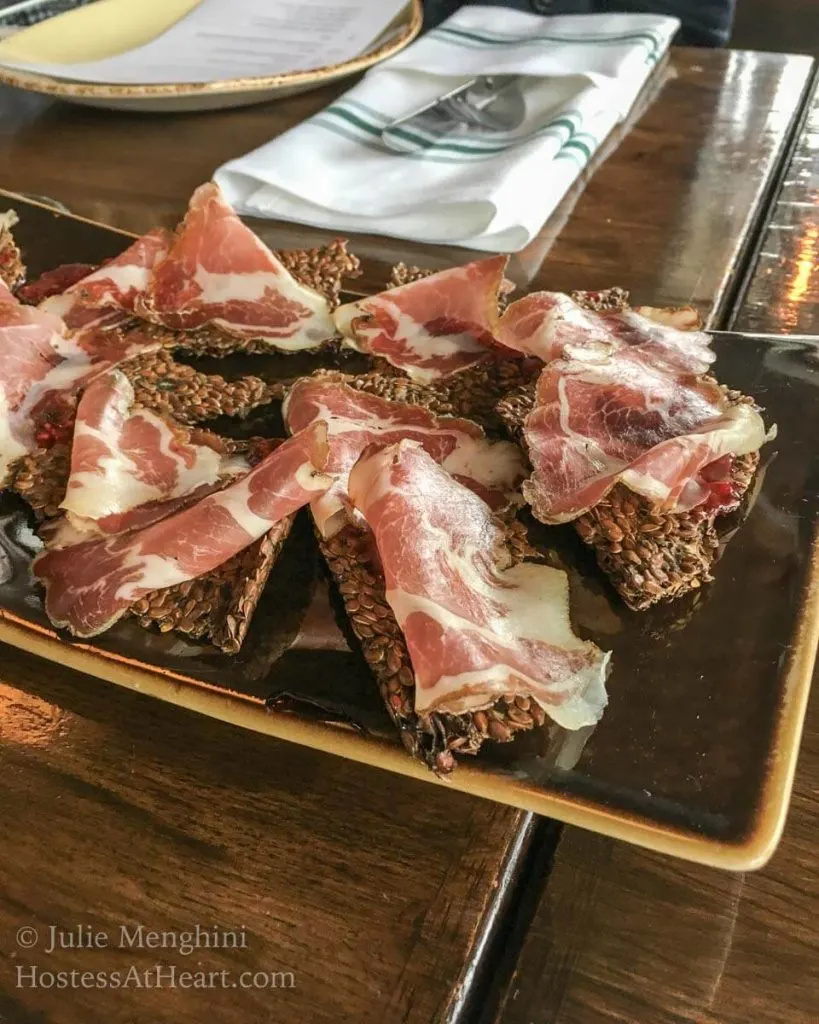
(486, 104)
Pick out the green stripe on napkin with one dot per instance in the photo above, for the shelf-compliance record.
(478, 40)
(364, 124)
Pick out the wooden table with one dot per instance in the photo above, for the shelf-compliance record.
(671, 213)
(781, 291)
(386, 899)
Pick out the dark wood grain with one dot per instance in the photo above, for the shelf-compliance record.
(771, 25)
(667, 214)
(118, 810)
(782, 293)
(620, 934)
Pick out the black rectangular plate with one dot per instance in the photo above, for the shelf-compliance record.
(696, 751)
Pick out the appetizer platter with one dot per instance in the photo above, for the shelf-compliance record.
(556, 550)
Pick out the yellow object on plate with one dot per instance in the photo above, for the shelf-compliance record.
(95, 31)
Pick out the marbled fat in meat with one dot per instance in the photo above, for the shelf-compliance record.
(433, 327)
(548, 325)
(90, 585)
(219, 273)
(494, 469)
(128, 464)
(624, 417)
(476, 628)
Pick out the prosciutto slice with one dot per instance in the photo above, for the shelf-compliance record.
(129, 467)
(105, 336)
(98, 309)
(548, 325)
(52, 351)
(91, 584)
(5, 292)
(90, 341)
(53, 282)
(219, 273)
(493, 469)
(29, 360)
(476, 628)
(119, 282)
(433, 327)
(626, 418)
(47, 364)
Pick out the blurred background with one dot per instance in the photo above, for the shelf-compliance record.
(783, 26)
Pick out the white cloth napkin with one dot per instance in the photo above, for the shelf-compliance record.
(583, 74)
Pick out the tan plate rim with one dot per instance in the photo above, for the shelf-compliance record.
(35, 82)
(750, 853)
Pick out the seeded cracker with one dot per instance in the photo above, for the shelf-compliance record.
(322, 269)
(173, 389)
(401, 274)
(472, 394)
(41, 477)
(218, 606)
(609, 300)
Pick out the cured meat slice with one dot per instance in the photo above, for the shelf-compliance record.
(129, 467)
(219, 273)
(29, 359)
(548, 325)
(91, 584)
(98, 309)
(493, 469)
(104, 336)
(120, 281)
(47, 365)
(91, 340)
(53, 282)
(434, 326)
(123, 280)
(28, 349)
(542, 323)
(624, 418)
(5, 293)
(476, 630)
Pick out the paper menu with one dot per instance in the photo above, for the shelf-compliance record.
(222, 39)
